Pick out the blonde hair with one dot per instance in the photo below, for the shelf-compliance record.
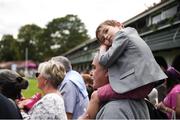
(109, 23)
(52, 71)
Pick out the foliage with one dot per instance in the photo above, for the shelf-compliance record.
(59, 36)
(8, 48)
(66, 33)
(29, 37)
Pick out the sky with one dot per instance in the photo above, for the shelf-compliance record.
(17, 13)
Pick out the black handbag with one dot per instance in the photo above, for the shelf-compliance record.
(155, 113)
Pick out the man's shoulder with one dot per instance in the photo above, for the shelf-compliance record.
(122, 103)
(111, 110)
(68, 84)
(114, 104)
(124, 109)
(67, 87)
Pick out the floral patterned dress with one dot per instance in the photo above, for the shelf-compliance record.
(51, 106)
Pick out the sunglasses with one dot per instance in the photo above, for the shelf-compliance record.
(37, 74)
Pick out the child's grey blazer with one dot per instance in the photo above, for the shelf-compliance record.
(130, 62)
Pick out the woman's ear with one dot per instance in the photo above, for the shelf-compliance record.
(45, 82)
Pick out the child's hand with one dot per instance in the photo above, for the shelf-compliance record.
(103, 47)
(108, 43)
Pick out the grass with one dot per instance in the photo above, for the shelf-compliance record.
(32, 89)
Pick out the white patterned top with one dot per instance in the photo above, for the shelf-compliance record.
(51, 106)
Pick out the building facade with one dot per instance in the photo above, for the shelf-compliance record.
(159, 26)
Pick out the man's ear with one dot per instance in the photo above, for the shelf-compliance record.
(106, 73)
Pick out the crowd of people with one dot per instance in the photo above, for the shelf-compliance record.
(124, 76)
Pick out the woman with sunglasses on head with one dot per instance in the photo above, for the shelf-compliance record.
(51, 105)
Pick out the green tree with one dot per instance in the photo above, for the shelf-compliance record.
(65, 33)
(8, 48)
(29, 37)
(59, 36)
(44, 46)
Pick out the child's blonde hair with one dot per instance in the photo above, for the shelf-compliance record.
(107, 22)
